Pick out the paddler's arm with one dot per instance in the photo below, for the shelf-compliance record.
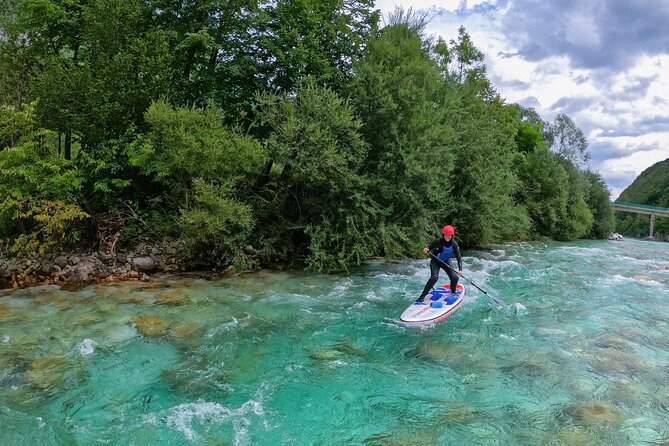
(456, 251)
(432, 247)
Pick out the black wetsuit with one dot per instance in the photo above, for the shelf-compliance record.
(444, 250)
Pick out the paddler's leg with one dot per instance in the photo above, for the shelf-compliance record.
(453, 276)
(434, 276)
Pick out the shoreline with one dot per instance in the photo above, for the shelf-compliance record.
(78, 268)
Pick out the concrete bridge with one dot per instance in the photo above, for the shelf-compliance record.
(653, 211)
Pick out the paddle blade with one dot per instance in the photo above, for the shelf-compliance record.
(497, 301)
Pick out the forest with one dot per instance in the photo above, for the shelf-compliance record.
(651, 187)
(307, 133)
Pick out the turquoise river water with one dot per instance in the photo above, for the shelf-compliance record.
(579, 356)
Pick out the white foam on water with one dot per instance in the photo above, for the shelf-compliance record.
(335, 363)
(183, 416)
(228, 325)
(371, 295)
(356, 306)
(341, 287)
(500, 264)
(504, 336)
(87, 346)
(618, 279)
(6, 339)
(121, 333)
(389, 276)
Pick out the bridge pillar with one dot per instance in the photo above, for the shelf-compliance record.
(652, 224)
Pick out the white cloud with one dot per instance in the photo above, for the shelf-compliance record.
(389, 5)
(604, 63)
(630, 166)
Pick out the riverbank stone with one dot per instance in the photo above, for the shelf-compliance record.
(143, 264)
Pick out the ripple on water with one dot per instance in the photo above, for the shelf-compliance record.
(284, 358)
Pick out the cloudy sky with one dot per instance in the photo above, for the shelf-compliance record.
(604, 63)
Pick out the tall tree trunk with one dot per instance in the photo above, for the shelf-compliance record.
(68, 145)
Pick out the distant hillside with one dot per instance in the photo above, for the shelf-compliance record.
(650, 187)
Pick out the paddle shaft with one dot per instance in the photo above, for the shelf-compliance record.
(496, 300)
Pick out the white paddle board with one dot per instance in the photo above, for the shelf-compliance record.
(438, 305)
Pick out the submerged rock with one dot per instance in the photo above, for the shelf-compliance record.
(52, 373)
(150, 325)
(170, 298)
(349, 348)
(328, 354)
(612, 361)
(549, 331)
(435, 352)
(592, 413)
(187, 336)
(7, 313)
(569, 436)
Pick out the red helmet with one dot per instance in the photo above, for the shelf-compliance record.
(448, 230)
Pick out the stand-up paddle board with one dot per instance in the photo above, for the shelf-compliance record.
(438, 305)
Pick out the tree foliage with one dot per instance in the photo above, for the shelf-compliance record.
(316, 192)
(567, 140)
(651, 187)
(303, 128)
(40, 190)
(403, 104)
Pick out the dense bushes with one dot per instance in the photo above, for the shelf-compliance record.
(248, 130)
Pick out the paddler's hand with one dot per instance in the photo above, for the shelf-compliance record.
(459, 272)
(426, 250)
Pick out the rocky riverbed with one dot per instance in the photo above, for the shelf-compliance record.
(79, 268)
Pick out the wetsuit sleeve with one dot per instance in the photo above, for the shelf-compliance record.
(434, 245)
(456, 251)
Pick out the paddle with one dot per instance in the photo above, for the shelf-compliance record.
(495, 300)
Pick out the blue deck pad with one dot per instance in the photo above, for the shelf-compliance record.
(439, 292)
(450, 300)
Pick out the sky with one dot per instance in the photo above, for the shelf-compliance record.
(603, 63)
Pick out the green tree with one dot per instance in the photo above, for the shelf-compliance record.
(316, 194)
(97, 65)
(567, 140)
(599, 202)
(399, 94)
(204, 170)
(484, 180)
(40, 191)
(228, 51)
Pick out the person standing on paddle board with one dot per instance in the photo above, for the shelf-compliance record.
(443, 248)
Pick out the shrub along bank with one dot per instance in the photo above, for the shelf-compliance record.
(245, 148)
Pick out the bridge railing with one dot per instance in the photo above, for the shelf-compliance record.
(643, 206)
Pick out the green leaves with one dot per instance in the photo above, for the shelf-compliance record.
(39, 191)
(184, 144)
(317, 192)
(298, 126)
(203, 169)
(216, 226)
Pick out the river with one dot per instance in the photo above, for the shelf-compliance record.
(578, 356)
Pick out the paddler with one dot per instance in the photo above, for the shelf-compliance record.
(444, 248)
